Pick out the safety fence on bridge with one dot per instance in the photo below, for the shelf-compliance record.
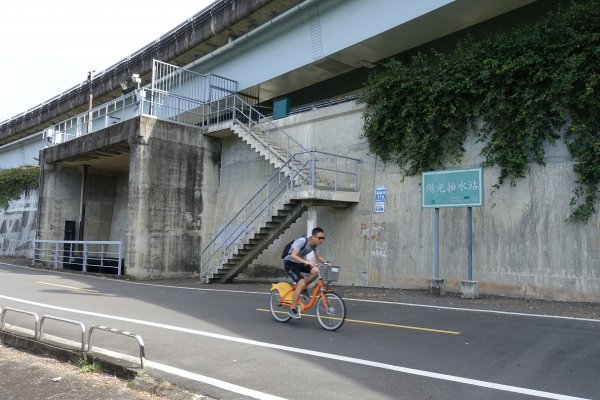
(174, 94)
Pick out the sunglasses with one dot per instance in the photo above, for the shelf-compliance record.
(320, 237)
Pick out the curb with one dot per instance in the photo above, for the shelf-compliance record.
(38, 348)
(137, 378)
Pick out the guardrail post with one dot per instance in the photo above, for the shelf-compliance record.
(35, 318)
(102, 255)
(120, 262)
(56, 255)
(70, 321)
(120, 332)
(85, 250)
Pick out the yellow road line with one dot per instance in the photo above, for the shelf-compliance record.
(416, 328)
(68, 287)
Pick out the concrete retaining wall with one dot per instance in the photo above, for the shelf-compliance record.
(17, 226)
(523, 245)
(181, 186)
(168, 183)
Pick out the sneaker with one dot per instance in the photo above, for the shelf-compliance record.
(305, 294)
(294, 313)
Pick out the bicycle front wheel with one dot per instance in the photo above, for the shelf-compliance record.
(331, 311)
(278, 311)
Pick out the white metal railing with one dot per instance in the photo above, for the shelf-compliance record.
(38, 330)
(235, 108)
(175, 94)
(171, 79)
(310, 169)
(102, 256)
(36, 319)
(122, 332)
(64, 320)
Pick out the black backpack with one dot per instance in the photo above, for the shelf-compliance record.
(286, 249)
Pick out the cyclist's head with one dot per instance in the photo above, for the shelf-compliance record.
(318, 234)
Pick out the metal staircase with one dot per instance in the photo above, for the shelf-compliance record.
(302, 179)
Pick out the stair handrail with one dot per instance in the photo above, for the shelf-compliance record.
(284, 184)
(246, 115)
(305, 170)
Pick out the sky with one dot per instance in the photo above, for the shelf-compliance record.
(48, 46)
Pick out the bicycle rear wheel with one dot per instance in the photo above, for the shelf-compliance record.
(331, 311)
(278, 311)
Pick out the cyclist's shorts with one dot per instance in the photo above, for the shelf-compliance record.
(294, 270)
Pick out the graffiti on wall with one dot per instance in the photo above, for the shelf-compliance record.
(17, 226)
(373, 234)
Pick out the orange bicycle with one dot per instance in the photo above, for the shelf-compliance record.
(331, 310)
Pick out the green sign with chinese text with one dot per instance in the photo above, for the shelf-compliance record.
(453, 188)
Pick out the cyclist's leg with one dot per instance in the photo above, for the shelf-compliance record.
(294, 271)
(314, 274)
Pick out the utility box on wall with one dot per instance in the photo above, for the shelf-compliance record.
(281, 107)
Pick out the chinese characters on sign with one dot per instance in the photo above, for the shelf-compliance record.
(453, 188)
(380, 193)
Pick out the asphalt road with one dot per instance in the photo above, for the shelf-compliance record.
(223, 342)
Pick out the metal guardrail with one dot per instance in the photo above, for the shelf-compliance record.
(34, 315)
(39, 330)
(85, 254)
(311, 169)
(175, 94)
(40, 335)
(121, 109)
(235, 108)
(168, 78)
(120, 332)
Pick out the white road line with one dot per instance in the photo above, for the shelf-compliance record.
(192, 376)
(411, 371)
(474, 310)
(212, 381)
(479, 310)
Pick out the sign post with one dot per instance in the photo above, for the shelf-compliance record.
(454, 188)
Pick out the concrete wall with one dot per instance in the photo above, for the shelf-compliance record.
(151, 184)
(181, 186)
(100, 195)
(118, 225)
(522, 244)
(242, 174)
(17, 226)
(60, 200)
(168, 164)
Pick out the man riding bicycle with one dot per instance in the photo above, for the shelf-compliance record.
(296, 263)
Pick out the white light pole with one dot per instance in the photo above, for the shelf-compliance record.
(90, 95)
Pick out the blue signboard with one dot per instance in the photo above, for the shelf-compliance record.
(453, 188)
(380, 195)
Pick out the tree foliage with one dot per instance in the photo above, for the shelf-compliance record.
(14, 181)
(529, 86)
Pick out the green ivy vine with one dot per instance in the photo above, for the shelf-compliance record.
(530, 86)
(14, 181)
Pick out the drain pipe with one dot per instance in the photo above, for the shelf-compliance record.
(368, 266)
(233, 43)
